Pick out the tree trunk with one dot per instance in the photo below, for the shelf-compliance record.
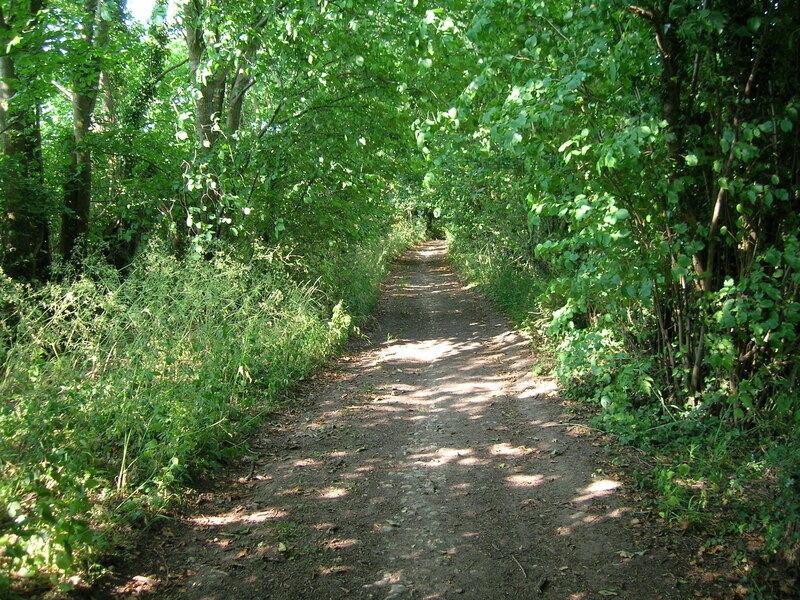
(78, 186)
(24, 232)
(211, 88)
(241, 83)
(86, 84)
(219, 99)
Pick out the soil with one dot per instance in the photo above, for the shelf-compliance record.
(426, 463)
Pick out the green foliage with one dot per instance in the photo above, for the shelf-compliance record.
(640, 275)
(638, 164)
(116, 390)
(678, 500)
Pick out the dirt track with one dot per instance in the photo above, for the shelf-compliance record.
(424, 464)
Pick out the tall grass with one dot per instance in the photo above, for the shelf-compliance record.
(115, 391)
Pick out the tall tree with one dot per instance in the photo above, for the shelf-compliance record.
(92, 42)
(24, 228)
(654, 150)
(220, 46)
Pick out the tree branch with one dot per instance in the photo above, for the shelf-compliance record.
(172, 68)
(242, 91)
(62, 89)
(330, 104)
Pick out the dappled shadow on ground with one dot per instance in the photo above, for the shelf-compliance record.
(429, 464)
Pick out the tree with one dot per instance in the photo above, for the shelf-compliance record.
(646, 158)
(25, 229)
(86, 54)
(730, 101)
(129, 91)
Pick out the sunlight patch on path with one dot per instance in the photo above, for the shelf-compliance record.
(440, 457)
(230, 518)
(525, 480)
(598, 489)
(426, 351)
(508, 450)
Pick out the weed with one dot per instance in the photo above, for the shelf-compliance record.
(115, 391)
(285, 531)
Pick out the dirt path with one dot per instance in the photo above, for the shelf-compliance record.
(426, 464)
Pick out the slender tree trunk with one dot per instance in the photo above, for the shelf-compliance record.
(78, 187)
(239, 86)
(211, 88)
(78, 184)
(24, 229)
(672, 54)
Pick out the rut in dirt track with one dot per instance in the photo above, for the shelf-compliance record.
(428, 464)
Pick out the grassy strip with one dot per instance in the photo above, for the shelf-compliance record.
(116, 391)
(741, 488)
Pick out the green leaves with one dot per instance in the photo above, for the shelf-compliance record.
(616, 216)
(630, 211)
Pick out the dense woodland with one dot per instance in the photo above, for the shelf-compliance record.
(197, 211)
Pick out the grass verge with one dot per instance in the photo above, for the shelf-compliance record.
(117, 391)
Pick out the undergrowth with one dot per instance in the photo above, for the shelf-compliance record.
(729, 479)
(116, 391)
